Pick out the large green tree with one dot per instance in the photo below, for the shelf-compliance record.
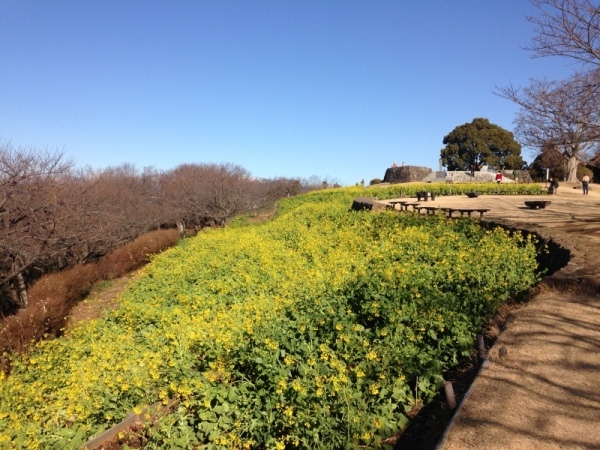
(481, 142)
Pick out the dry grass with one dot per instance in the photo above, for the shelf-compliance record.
(136, 253)
(53, 296)
(571, 286)
(498, 323)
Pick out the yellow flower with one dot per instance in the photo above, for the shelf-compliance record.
(372, 355)
(374, 388)
(281, 386)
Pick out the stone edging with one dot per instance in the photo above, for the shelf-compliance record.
(148, 414)
(442, 441)
(129, 421)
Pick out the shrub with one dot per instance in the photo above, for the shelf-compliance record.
(135, 253)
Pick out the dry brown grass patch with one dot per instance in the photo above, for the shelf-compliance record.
(54, 295)
(572, 286)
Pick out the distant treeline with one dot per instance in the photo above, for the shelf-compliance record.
(53, 215)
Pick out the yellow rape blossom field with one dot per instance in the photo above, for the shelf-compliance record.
(308, 331)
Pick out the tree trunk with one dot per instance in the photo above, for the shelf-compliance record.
(571, 172)
(181, 228)
(23, 298)
(13, 293)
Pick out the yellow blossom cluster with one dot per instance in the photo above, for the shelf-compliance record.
(312, 327)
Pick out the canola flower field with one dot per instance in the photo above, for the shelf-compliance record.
(311, 330)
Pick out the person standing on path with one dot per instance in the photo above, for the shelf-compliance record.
(499, 177)
(553, 186)
(585, 184)
(516, 176)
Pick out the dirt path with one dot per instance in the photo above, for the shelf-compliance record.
(545, 394)
(101, 299)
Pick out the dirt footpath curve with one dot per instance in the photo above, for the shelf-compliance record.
(545, 394)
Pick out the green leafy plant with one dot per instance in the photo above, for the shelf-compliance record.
(319, 329)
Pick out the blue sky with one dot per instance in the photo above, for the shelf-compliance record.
(337, 89)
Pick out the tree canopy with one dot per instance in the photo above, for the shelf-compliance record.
(481, 142)
(567, 28)
(562, 114)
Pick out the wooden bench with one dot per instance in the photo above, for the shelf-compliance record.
(404, 204)
(425, 195)
(463, 211)
(393, 203)
(430, 210)
(537, 204)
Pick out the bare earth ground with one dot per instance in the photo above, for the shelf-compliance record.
(101, 299)
(545, 394)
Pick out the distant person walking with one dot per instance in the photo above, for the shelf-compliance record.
(499, 177)
(585, 184)
(553, 186)
(516, 176)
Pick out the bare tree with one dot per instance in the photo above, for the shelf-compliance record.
(561, 114)
(114, 205)
(568, 28)
(31, 213)
(206, 194)
(314, 183)
(277, 188)
(52, 217)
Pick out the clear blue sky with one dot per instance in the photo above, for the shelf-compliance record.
(333, 88)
